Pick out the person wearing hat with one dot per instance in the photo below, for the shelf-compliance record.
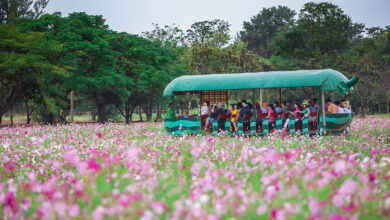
(346, 106)
(215, 112)
(306, 109)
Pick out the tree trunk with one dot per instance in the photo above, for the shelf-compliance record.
(131, 114)
(363, 110)
(158, 114)
(93, 115)
(49, 118)
(28, 114)
(1, 118)
(149, 111)
(387, 105)
(102, 118)
(11, 115)
(379, 108)
(28, 119)
(140, 113)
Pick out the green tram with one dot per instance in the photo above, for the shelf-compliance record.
(324, 80)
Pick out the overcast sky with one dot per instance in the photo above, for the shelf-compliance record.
(136, 16)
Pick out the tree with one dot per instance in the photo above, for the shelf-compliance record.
(26, 68)
(261, 28)
(322, 28)
(235, 58)
(21, 9)
(168, 35)
(215, 32)
(88, 51)
(370, 61)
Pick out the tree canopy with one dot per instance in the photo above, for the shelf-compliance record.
(43, 57)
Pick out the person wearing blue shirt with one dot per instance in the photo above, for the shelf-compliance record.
(277, 107)
(244, 110)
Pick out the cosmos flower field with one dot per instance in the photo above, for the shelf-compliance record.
(117, 171)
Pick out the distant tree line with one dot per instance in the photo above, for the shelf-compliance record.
(43, 57)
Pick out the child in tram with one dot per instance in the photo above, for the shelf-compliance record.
(233, 120)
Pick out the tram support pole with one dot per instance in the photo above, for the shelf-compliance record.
(261, 97)
(323, 105)
(280, 96)
(253, 104)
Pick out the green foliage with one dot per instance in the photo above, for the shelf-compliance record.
(315, 33)
(168, 35)
(27, 69)
(261, 28)
(10, 9)
(235, 58)
(215, 32)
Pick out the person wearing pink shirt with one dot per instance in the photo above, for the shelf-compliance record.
(271, 110)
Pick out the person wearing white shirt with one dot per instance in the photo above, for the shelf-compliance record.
(346, 107)
(340, 108)
(205, 110)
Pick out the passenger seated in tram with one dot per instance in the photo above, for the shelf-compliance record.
(260, 116)
(205, 110)
(347, 107)
(245, 110)
(332, 108)
(271, 117)
(298, 117)
(233, 120)
(171, 111)
(245, 115)
(306, 110)
(340, 108)
(184, 115)
(277, 108)
(214, 114)
(264, 108)
(287, 111)
(314, 105)
(313, 115)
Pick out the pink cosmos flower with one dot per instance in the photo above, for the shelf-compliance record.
(98, 213)
(94, 166)
(340, 166)
(73, 210)
(338, 200)
(314, 206)
(100, 135)
(11, 202)
(350, 208)
(348, 187)
(10, 165)
(261, 209)
(337, 217)
(159, 207)
(132, 153)
(195, 169)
